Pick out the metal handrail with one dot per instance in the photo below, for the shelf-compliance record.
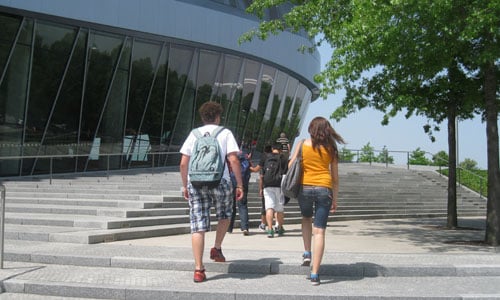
(107, 155)
(2, 222)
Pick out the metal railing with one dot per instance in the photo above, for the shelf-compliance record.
(2, 222)
(152, 161)
(385, 157)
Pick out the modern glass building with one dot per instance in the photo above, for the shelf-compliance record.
(114, 84)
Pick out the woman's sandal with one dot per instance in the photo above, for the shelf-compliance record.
(199, 275)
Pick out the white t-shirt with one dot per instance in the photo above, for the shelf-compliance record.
(226, 140)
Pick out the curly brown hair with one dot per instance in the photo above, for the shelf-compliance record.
(323, 134)
(209, 111)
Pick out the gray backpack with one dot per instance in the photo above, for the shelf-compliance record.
(206, 165)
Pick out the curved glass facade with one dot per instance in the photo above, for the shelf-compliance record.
(82, 92)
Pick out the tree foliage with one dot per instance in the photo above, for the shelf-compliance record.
(417, 157)
(437, 59)
(346, 155)
(384, 157)
(440, 159)
(367, 153)
(468, 164)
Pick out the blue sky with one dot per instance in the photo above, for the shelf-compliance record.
(401, 134)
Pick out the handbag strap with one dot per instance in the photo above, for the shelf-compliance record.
(299, 154)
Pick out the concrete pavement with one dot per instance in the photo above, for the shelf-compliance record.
(382, 259)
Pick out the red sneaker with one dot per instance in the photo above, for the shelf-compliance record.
(199, 275)
(216, 255)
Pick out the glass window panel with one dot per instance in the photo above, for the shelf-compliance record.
(103, 51)
(266, 86)
(152, 124)
(229, 86)
(207, 73)
(10, 26)
(274, 105)
(12, 105)
(180, 60)
(245, 124)
(145, 58)
(291, 90)
(53, 47)
(293, 128)
(64, 124)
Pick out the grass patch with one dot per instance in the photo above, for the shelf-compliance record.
(476, 180)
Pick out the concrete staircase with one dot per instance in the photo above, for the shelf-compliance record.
(99, 208)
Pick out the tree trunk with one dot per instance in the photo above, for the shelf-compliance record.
(452, 221)
(493, 206)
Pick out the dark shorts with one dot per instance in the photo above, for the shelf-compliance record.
(315, 201)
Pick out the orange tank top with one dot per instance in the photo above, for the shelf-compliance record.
(316, 167)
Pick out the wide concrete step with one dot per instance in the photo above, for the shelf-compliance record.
(120, 271)
(96, 211)
(102, 222)
(66, 281)
(69, 195)
(147, 202)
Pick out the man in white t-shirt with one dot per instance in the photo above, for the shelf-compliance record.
(221, 196)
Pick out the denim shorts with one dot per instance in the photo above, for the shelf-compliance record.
(202, 199)
(316, 201)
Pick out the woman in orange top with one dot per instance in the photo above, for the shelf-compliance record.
(319, 188)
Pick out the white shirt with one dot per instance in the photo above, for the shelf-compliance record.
(226, 141)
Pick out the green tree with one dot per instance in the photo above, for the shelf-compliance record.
(468, 164)
(346, 155)
(367, 154)
(437, 59)
(417, 157)
(384, 157)
(440, 159)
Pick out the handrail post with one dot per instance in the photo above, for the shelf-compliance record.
(408, 160)
(50, 168)
(152, 164)
(2, 222)
(107, 166)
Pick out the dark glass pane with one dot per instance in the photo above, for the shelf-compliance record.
(286, 116)
(103, 53)
(144, 62)
(152, 124)
(293, 128)
(207, 73)
(245, 123)
(266, 85)
(13, 93)
(187, 110)
(229, 86)
(273, 109)
(52, 49)
(62, 131)
(10, 26)
(180, 60)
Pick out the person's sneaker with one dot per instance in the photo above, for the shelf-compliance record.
(199, 275)
(216, 255)
(306, 259)
(276, 228)
(270, 233)
(262, 226)
(281, 231)
(245, 232)
(315, 279)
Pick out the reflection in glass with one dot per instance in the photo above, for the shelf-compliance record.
(82, 94)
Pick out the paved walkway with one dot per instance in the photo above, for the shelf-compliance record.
(383, 259)
(365, 236)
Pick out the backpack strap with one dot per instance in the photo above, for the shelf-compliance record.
(216, 131)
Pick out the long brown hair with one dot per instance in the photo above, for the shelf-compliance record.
(323, 134)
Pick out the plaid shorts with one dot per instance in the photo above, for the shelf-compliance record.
(202, 199)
